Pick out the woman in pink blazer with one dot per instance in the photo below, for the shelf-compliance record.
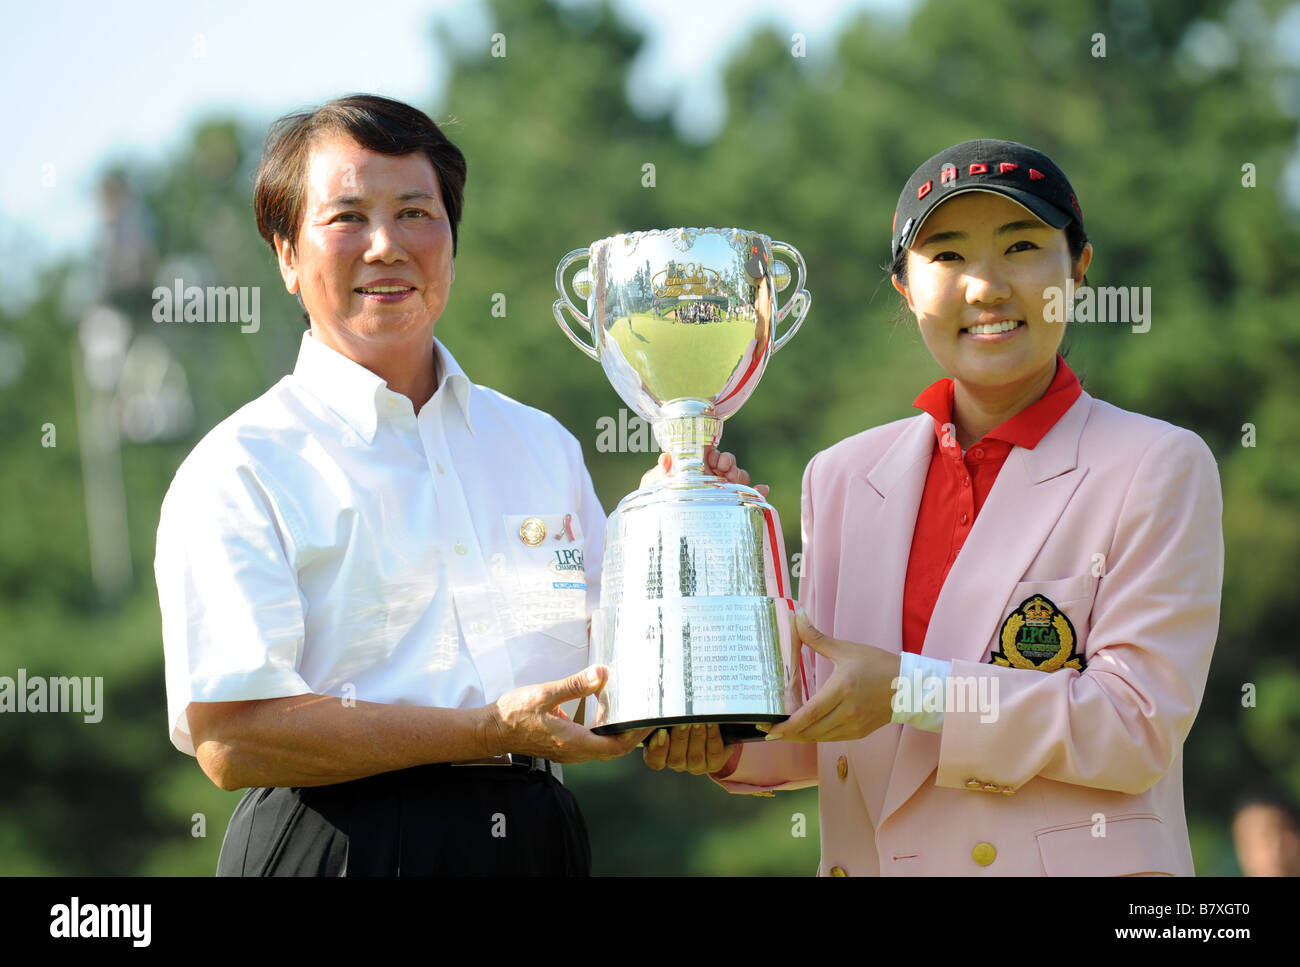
(1062, 602)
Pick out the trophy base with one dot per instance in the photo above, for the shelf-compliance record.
(734, 728)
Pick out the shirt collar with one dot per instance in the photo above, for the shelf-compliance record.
(1027, 427)
(353, 392)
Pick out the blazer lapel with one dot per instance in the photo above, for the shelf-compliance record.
(879, 514)
(1031, 491)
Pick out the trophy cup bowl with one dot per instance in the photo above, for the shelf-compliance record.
(696, 616)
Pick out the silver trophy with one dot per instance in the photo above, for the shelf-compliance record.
(696, 616)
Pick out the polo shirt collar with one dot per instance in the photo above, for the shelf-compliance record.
(352, 392)
(1027, 427)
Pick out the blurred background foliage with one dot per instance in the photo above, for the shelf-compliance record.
(813, 151)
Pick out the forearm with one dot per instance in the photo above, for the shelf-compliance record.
(314, 740)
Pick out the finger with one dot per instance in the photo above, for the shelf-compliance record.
(627, 741)
(603, 747)
(812, 711)
(695, 750)
(763, 489)
(742, 476)
(656, 750)
(678, 739)
(837, 724)
(813, 638)
(801, 730)
(586, 682)
(633, 739)
(658, 471)
(716, 753)
(726, 462)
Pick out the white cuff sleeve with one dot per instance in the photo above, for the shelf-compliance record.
(919, 691)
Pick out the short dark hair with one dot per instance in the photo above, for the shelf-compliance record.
(380, 124)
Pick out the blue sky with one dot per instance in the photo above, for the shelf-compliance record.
(106, 81)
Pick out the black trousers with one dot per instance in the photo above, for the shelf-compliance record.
(433, 820)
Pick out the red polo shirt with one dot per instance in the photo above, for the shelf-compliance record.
(956, 487)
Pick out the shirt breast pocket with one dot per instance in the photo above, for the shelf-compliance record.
(544, 576)
(1045, 624)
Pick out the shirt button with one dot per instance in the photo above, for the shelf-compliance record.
(973, 784)
(842, 767)
(984, 853)
(439, 466)
(838, 871)
(965, 481)
(990, 787)
(460, 548)
(964, 518)
(977, 453)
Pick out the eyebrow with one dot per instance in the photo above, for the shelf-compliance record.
(1024, 224)
(349, 201)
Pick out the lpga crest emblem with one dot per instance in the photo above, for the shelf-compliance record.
(1038, 635)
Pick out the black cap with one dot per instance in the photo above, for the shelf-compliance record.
(1004, 167)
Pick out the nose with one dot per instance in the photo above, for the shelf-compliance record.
(383, 245)
(986, 284)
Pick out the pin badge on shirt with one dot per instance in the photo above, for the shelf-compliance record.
(566, 530)
(1038, 635)
(532, 531)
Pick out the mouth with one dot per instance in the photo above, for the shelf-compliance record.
(383, 289)
(995, 328)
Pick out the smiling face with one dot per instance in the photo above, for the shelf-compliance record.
(370, 220)
(976, 276)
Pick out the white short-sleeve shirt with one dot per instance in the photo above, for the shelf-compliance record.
(324, 539)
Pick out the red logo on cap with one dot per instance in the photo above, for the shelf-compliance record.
(894, 224)
(924, 190)
(1035, 175)
(1006, 166)
(979, 168)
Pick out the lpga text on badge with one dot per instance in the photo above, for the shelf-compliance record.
(1038, 635)
(568, 561)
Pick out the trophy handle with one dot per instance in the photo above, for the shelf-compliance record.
(801, 295)
(564, 302)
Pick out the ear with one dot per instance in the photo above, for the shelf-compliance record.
(453, 270)
(903, 291)
(288, 264)
(1081, 266)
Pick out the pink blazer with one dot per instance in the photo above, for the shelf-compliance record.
(1117, 519)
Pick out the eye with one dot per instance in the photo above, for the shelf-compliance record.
(944, 257)
(1025, 242)
(345, 215)
(416, 211)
